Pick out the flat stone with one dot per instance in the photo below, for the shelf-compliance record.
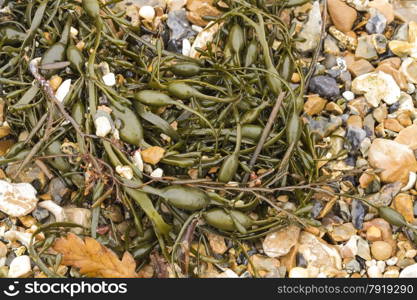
(266, 267)
(318, 253)
(396, 160)
(365, 48)
(342, 232)
(360, 67)
(394, 62)
(393, 125)
(217, 243)
(342, 15)
(80, 216)
(403, 203)
(399, 77)
(311, 30)
(279, 243)
(408, 136)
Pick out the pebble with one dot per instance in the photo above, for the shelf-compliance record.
(403, 203)
(408, 136)
(373, 234)
(343, 232)
(325, 86)
(330, 46)
(409, 69)
(358, 212)
(80, 216)
(217, 243)
(377, 86)
(381, 250)
(342, 15)
(359, 5)
(199, 8)
(353, 266)
(376, 23)
(277, 244)
(380, 43)
(385, 8)
(374, 272)
(393, 125)
(334, 108)
(314, 105)
(409, 272)
(366, 49)
(63, 90)
(399, 77)
(298, 272)
(109, 79)
(265, 266)
(318, 253)
(348, 95)
(360, 67)
(17, 199)
(395, 159)
(147, 12)
(345, 41)
(311, 30)
(20, 267)
(3, 249)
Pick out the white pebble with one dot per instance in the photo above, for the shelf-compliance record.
(374, 272)
(23, 237)
(411, 181)
(411, 88)
(20, 267)
(147, 12)
(109, 79)
(157, 173)
(348, 95)
(392, 261)
(197, 28)
(53, 208)
(73, 32)
(103, 126)
(186, 47)
(298, 272)
(17, 199)
(138, 161)
(125, 172)
(63, 90)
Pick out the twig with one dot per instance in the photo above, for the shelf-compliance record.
(34, 69)
(265, 133)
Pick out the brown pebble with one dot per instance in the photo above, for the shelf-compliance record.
(355, 121)
(373, 234)
(393, 125)
(381, 250)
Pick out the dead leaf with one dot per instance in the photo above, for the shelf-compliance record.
(153, 155)
(93, 259)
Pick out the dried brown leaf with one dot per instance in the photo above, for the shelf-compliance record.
(94, 259)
